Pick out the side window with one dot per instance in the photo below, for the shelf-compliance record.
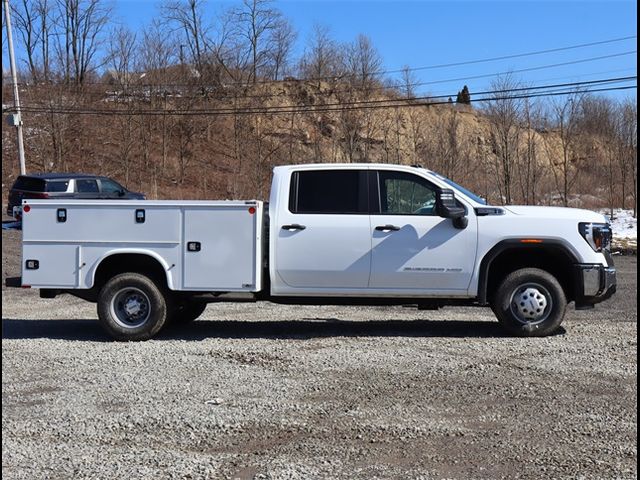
(405, 194)
(58, 186)
(109, 186)
(86, 186)
(329, 191)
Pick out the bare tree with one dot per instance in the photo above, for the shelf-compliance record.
(363, 63)
(157, 52)
(628, 156)
(565, 121)
(82, 25)
(256, 22)
(322, 58)
(504, 114)
(34, 23)
(187, 16)
(529, 170)
(122, 55)
(26, 19)
(282, 39)
(408, 82)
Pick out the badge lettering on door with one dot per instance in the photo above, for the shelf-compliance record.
(432, 269)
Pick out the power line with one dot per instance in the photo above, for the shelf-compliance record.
(468, 62)
(531, 69)
(573, 78)
(421, 101)
(568, 88)
(517, 55)
(431, 67)
(349, 90)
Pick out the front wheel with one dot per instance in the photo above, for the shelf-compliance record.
(131, 307)
(530, 303)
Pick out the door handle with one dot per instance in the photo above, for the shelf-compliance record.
(384, 228)
(293, 226)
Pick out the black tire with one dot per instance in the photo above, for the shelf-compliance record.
(186, 311)
(132, 307)
(530, 303)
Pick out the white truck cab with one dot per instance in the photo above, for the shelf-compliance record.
(331, 234)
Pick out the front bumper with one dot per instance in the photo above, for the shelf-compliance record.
(594, 283)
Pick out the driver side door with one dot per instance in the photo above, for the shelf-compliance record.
(413, 249)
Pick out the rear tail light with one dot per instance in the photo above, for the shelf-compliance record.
(598, 235)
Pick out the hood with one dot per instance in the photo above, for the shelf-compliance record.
(135, 196)
(576, 214)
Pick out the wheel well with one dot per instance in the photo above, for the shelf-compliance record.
(129, 262)
(553, 260)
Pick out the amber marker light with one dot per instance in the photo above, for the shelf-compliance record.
(530, 240)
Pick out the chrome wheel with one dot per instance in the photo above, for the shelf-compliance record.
(531, 303)
(130, 307)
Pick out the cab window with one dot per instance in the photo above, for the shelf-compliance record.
(405, 194)
(329, 191)
(58, 186)
(109, 186)
(86, 186)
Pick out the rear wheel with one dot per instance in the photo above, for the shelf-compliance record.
(530, 302)
(131, 307)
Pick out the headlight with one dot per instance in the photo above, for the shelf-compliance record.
(598, 235)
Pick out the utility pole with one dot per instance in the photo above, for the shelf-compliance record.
(15, 120)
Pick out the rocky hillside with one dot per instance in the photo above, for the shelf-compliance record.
(191, 142)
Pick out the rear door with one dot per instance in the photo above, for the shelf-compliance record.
(412, 247)
(324, 239)
(87, 188)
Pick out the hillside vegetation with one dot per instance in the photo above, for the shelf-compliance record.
(178, 113)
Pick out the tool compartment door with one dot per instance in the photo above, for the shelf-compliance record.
(221, 248)
(46, 265)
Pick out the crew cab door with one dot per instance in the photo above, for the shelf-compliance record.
(323, 236)
(412, 247)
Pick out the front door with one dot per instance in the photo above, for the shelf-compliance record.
(412, 247)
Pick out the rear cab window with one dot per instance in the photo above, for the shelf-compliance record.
(329, 192)
(29, 184)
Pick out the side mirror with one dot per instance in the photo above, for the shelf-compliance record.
(121, 193)
(446, 207)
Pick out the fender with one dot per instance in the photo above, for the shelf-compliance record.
(134, 251)
(517, 243)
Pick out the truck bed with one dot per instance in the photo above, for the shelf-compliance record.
(201, 245)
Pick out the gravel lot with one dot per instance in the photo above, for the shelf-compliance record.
(265, 391)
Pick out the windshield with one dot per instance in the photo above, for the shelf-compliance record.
(468, 193)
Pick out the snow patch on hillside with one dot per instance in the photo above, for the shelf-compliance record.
(625, 228)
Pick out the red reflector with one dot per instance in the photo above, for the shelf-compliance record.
(252, 210)
(26, 208)
(26, 286)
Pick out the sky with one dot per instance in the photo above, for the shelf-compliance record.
(424, 33)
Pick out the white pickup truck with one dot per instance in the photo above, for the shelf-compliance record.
(348, 234)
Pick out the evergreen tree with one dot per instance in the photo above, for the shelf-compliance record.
(464, 97)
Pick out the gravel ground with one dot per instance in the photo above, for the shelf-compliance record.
(264, 391)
